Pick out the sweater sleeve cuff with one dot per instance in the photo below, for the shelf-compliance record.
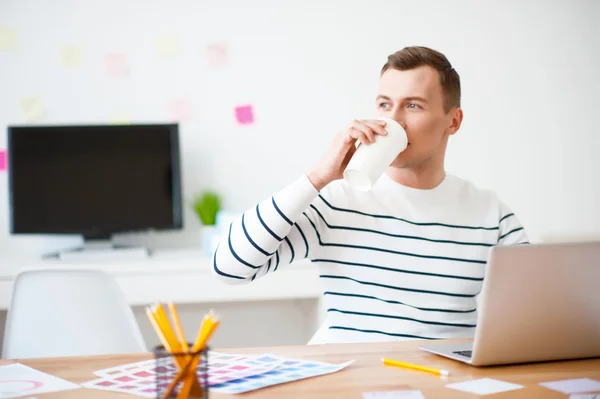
(296, 198)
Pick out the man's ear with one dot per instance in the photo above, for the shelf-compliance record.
(455, 122)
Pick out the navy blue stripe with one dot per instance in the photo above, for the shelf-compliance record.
(397, 303)
(506, 217)
(280, 213)
(335, 227)
(483, 262)
(255, 245)
(510, 232)
(313, 226)
(269, 265)
(219, 272)
(253, 277)
(397, 270)
(243, 262)
(277, 260)
(275, 236)
(291, 249)
(397, 288)
(387, 316)
(404, 220)
(324, 244)
(303, 237)
(379, 332)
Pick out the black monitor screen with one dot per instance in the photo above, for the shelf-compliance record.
(94, 180)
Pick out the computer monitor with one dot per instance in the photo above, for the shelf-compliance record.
(94, 180)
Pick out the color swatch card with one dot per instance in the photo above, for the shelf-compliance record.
(289, 370)
(19, 380)
(140, 378)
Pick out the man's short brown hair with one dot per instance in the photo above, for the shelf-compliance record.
(416, 56)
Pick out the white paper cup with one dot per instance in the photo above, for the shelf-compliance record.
(370, 161)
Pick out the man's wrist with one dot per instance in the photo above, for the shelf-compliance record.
(317, 182)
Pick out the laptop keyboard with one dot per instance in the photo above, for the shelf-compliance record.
(464, 353)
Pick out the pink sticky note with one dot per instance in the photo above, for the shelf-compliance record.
(115, 65)
(3, 160)
(216, 54)
(180, 109)
(244, 114)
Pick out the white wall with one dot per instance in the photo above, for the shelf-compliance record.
(528, 70)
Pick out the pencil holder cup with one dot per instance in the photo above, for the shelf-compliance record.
(181, 375)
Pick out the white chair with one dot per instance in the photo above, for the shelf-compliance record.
(69, 312)
(320, 336)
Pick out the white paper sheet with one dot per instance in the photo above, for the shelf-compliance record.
(393, 395)
(585, 396)
(20, 380)
(484, 386)
(576, 385)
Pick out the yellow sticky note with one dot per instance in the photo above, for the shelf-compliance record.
(167, 46)
(32, 109)
(121, 118)
(70, 56)
(8, 39)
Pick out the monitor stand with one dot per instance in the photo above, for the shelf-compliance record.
(101, 250)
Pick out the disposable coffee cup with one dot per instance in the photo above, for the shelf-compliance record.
(371, 160)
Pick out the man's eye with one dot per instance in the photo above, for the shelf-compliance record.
(414, 106)
(384, 105)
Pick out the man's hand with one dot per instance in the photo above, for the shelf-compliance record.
(332, 164)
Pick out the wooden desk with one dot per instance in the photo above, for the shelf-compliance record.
(365, 375)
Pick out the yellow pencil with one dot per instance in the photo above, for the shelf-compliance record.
(396, 363)
(178, 327)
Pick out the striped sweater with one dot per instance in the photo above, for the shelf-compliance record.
(395, 262)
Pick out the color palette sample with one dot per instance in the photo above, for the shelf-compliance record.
(288, 370)
(140, 378)
(18, 380)
(227, 373)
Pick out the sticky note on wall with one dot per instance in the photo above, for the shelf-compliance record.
(180, 109)
(8, 39)
(3, 160)
(115, 65)
(244, 114)
(70, 56)
(217, 55)
(32, 109)
(121, 118)
(167, 46)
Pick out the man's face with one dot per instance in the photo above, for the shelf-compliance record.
(414, 99)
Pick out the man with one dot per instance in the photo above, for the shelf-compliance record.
(405, 260)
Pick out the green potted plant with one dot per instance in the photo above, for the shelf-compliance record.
(206, 206)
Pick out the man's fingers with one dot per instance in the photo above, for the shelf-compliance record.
(359, 135)
(364, 129)
(376, 127)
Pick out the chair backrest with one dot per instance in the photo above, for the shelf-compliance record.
(69, 312)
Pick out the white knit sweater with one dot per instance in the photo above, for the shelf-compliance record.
(395, 262)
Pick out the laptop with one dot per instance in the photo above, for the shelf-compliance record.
(539, 302)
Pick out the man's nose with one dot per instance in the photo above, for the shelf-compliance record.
(398, 116)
